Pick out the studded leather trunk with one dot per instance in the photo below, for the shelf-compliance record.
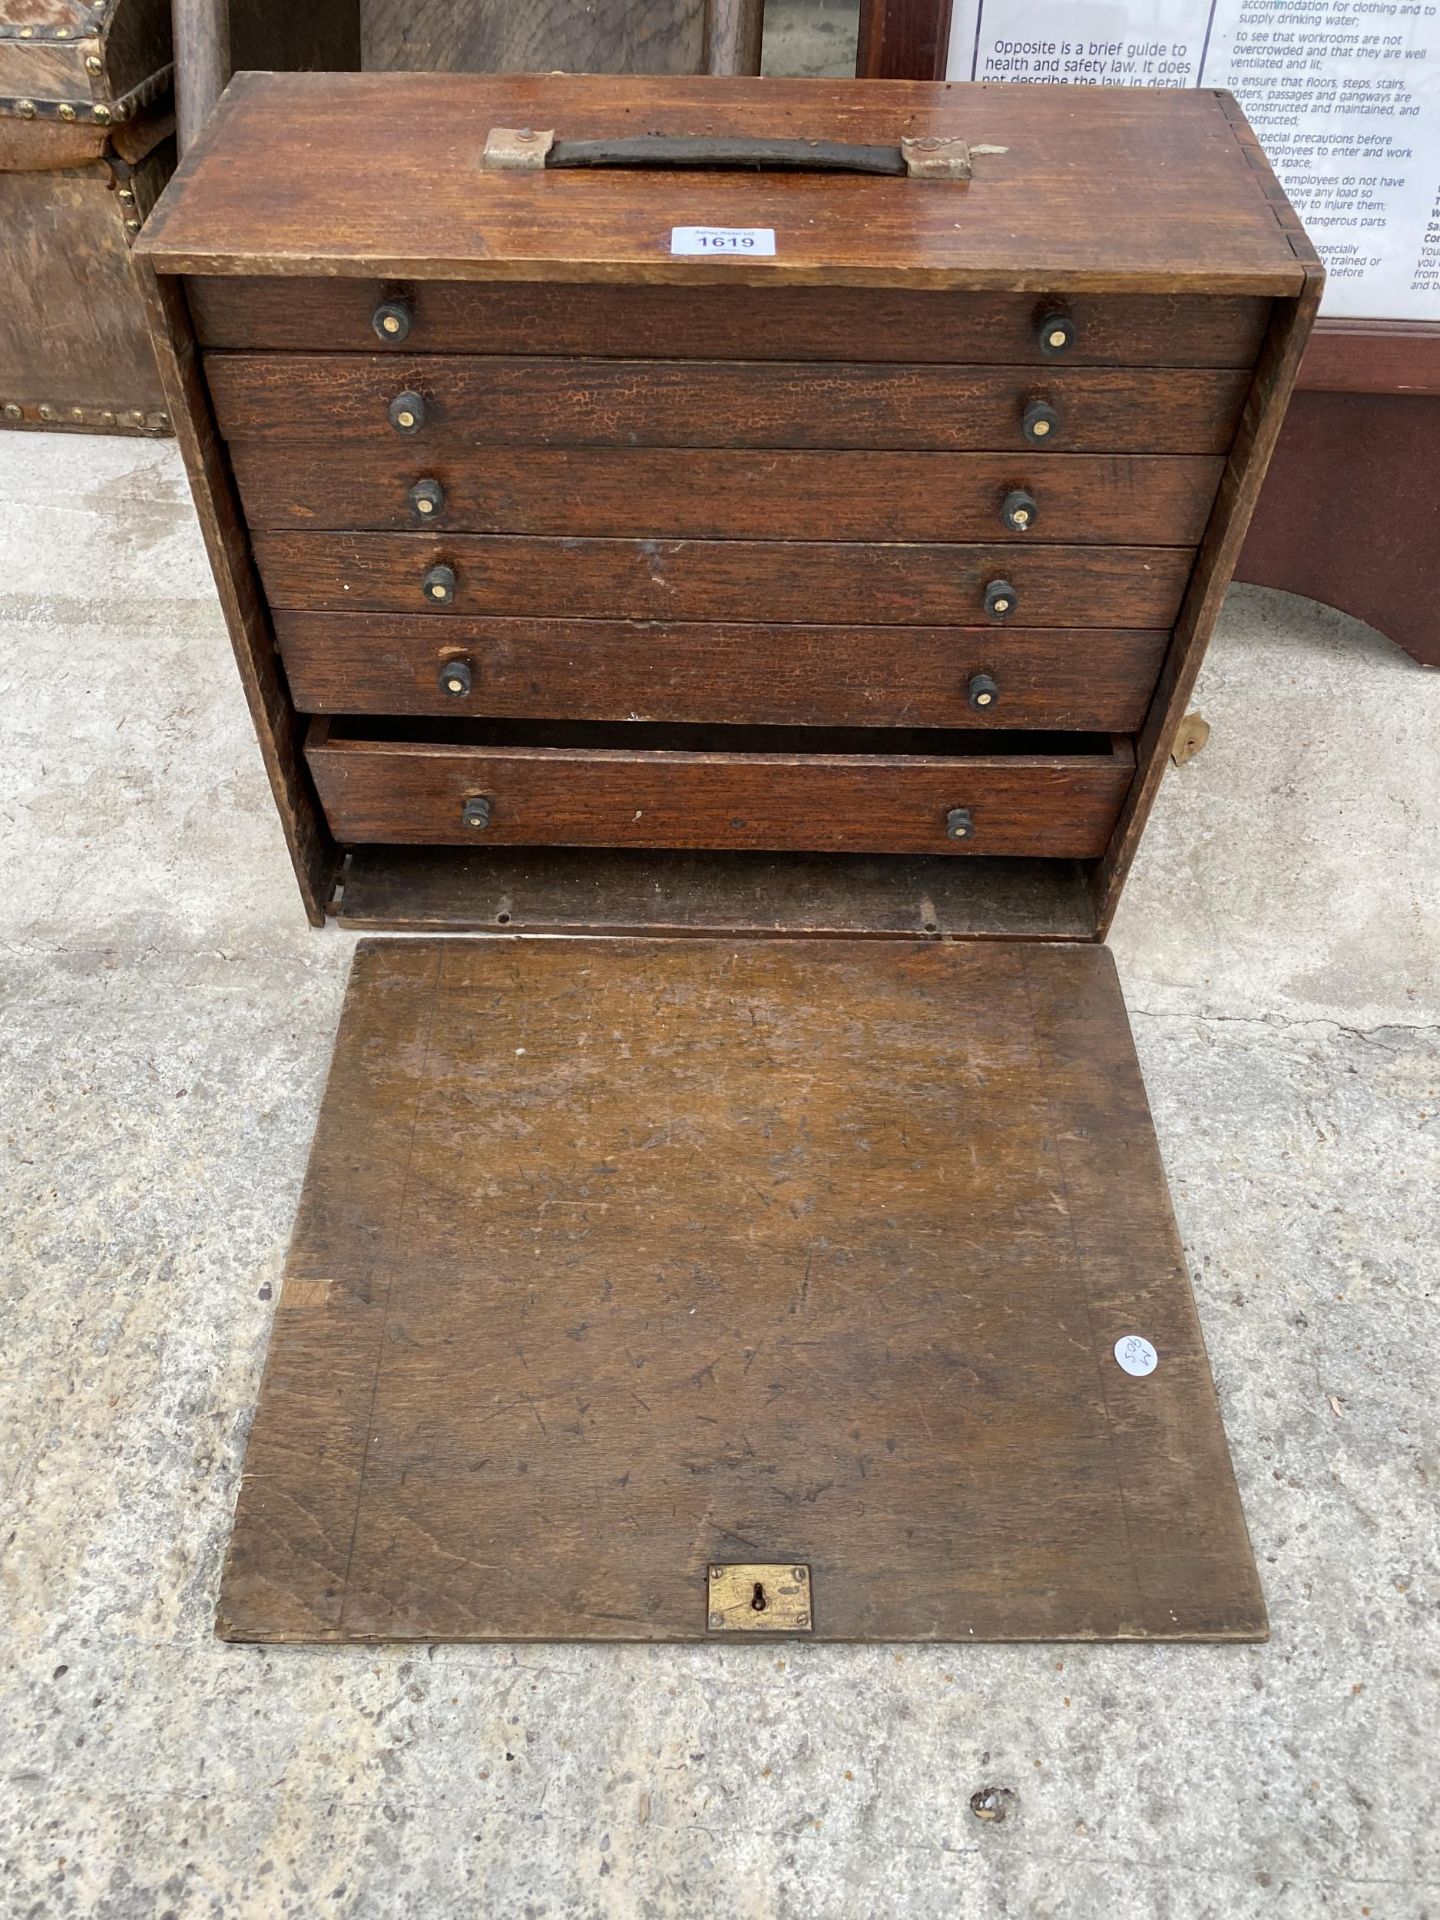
(87, 141)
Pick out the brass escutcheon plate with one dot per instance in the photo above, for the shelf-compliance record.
(763, 1597)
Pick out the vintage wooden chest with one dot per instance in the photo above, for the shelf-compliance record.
(738, 509)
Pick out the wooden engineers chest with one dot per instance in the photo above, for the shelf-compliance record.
(740, 509)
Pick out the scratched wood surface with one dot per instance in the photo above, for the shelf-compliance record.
(618, 1259)
(784, 580)
(1090, 678)
(342, 400)
(690, 894)
(886, 790)
(378, 175)
(726, 493)
(730, 323)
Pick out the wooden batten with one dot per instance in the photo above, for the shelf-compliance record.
(278, 728)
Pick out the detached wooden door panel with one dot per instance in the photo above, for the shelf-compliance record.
(619, 1260)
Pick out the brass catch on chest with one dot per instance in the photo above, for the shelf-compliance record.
(759, 1597)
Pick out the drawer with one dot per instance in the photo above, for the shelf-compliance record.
(786, 580)
(726, 494)
(344, 401)
(1050, 795)
(726, 323)
(1089, 678)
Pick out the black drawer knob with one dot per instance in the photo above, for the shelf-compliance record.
(1056, 334)
(476, 812)
(984, 692)
(457, 677)
(1040, 423)
(438, 586)
(427, 499)
(958, 824)
(406, 413)
(1000, 600)
(1018, 510)
(392, 320)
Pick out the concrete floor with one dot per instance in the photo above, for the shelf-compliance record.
(166, 1021)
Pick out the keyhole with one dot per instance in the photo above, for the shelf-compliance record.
(758, 1601)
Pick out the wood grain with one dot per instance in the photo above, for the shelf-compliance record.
(718, 493)
(791, 580)
(894, 798)
(1097, 190)
(1372, 356)
(1363, 540)
(618, 1258)
(1091, 678)
(903, 39)
(730, 323)
(341, 401)
(495, 36)
(1255, 440)
(277, 726)
(595, 891)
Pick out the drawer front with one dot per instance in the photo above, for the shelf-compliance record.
(724, 494)
(724, 322)
(1096, 678)
(1064, 806)
(789, 581)
(344, 401)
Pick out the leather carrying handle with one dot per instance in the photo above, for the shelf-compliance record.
(727, 154)
(526, 150)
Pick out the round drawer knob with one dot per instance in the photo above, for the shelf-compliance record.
(438, 586)
(958, 824)
(1040, 423)
(426, 498)
(476, 812)
(1056, 334)
(1000, 600)
(392, 320)
(1018, 510)
(983, 692)
(456, 677)
(406, 413)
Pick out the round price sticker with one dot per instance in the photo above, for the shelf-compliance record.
(1135, 1354)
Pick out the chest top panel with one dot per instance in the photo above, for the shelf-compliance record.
(1072, 189)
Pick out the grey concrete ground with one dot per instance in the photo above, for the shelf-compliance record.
(166, 1021)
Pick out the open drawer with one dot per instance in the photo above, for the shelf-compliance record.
(516, 783)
